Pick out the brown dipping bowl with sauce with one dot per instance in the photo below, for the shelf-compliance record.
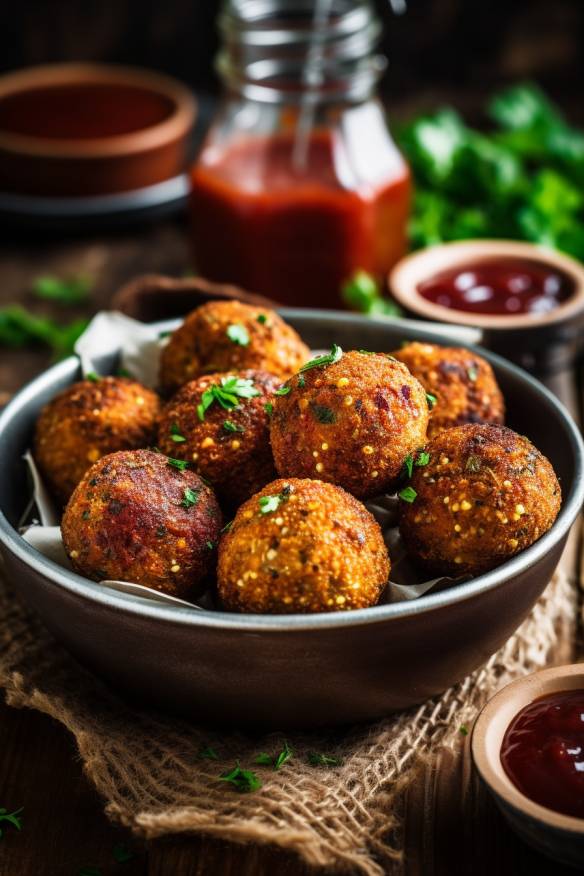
(555, 834)
(527, 300)
(81, 130)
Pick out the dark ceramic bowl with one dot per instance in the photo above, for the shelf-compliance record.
(294, 670)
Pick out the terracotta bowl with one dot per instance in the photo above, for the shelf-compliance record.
(543, 342)
(81, 130)
(291, 670)
(556, 835)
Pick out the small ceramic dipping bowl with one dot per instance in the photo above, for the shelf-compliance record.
(556, 835)
(81, 130)
(543, 342)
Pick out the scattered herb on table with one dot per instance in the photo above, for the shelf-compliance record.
(408, 494)
(227, 394)
(328, 359)
(18, 328)
(72, 291)
(238, 334)
(317, 759)
(361, 292)
(12, 818)
(275, 761)
(244, 781)
(176, 435)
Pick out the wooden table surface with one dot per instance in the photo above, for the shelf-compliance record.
(65, 832)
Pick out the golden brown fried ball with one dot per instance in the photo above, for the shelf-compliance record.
(88, 420)
(351, 423)
(135, 517)
(230, 336)
(485, 494)
(463, 384)
(302, 546)
(229, 447)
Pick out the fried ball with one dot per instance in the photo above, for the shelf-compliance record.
(302, 546)
(88, 420)
(352, 423)
(229, 447)
(485, 494)
(230, 336)
(463, 384)
(136, 517)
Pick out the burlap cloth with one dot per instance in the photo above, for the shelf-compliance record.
(148, 767)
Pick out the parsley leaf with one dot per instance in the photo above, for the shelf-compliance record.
(190, 498)
(422, 459)
(361, 292)
(409, 464)
(180, 464)
(269, 503)
(301, 382)
(227, 526)
(408, 494)
(175, 434)
(92, 376)
(431, 400)
(227, 394)
(73, 291)
(328, 359)
(230, 426)
(244, 781)
(277, 761)
(238, 334)
(18, 328)
(262, 318)
(11, 818)
(284, 390)
(316, 759)
(323, 414)
(264, 759)
(269, 408)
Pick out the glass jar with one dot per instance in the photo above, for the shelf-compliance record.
(299, 183)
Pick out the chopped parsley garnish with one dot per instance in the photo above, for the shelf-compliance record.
(423, 458)
(316, 759)
(419, 460)
(243, 781)
(408, 494)
(19, 328)
(227, 394)
(323, 414)
(227, 526)
(238, 334)
(262, 318)
(463, 729)
(269, 503)
(284, 390)
(367, 352)
(230, 426)
(328, 359)
(180, 464)
(92, 376)
(269, 408)
(473, 464)
(175, 434)
(472, 373)
(73, 291)
(86, 515)
(264, 759)
(431, 400)
(301, 382)
(211, 545)
(208, 753)
(409, 464)
(190, 498)
(277, 761)
(11, 818)
(122, 853)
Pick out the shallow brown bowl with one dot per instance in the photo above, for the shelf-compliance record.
(556, 835)
(292, 670)
(79, 130)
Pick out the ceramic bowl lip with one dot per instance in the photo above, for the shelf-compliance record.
(425, 263)
(85, 589)
(490, 727)
(170, 129)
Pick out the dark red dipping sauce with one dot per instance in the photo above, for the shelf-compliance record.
(502, 287)
(543, 751)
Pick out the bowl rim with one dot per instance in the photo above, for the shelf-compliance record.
(84, 588)
(403, 282)
(507, 703)
(173, 127)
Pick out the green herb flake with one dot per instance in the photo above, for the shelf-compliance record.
(238, 334)
(326, 760)
(230, 426)
(19, 328)
(409, 464)
(180, 464)
(190, 498)
(227, 394)
(472, 373)
(408, 494)
(269, 503)
(211, 545)
(361, 292)
(473, 464)
(422, 459)
(283, 756)
(431, 400)
(323, 414)
(367, 352)
(244, 781)
(463, 729)
(264, 759)
(208, 753)
(284, 390)
(176, 435)
(328, 359)
(227, 526)
(262, 318)
(121, 853)
(12, 818)
(86, 515)
(67, 292)
(92, 376)
(301, 382)
(269, 408)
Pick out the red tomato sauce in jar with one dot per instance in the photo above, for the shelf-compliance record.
(543, 751)
(502, 287)
(295, 235)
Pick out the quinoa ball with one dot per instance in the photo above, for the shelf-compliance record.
(87, 421)
(352, 422)
(136, 517)
(302, 546)
(463, 384)
(229, 447)
(230, 336)
(484, 495)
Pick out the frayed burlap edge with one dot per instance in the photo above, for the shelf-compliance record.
(148, 766)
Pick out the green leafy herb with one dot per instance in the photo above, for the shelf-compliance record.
(361, 292)
(264, 759)
(18, 328)
(431, 400)
(92, 376)
(422, 459)
(269, 408)
(262, 318)
(122, 853)
(367, 353)
(472, 373)
(269, 503)
(67, 292)
(473, 464)
(12, 818)
(244, 781)
(463, 729)
(301, 382)
(408, 494)
(323, 414)
(208, 753)
(181, 464)
(230, 426)
(328, 359)
(238, 334)
(316, 759)
(284, 390)
(211, 545)
(190, 498)
(227, 394)
(175, 434)
(227, 526)
(409, 464)
(276, 761)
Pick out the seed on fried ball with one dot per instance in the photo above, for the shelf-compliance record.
(88, 420)
(228, 442)
(302, 546)
(230, 336)
(484, 494)
(136, 517)
(463, 384)
(351, 422)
